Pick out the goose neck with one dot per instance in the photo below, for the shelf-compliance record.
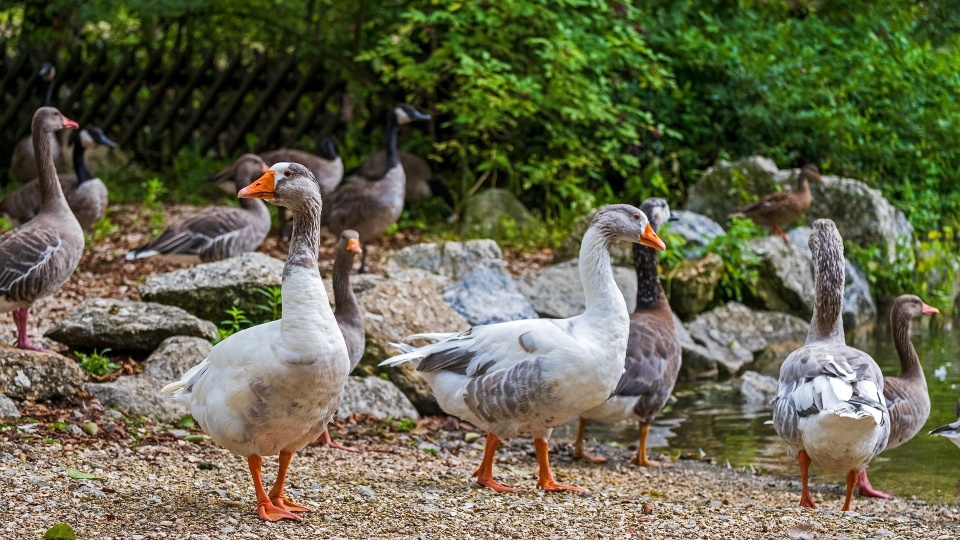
(344, 298)
(51, 194)
(650, 292)
(909, 361)
(827, 323)
(48, 97)
(599, 286)
(80, 163)
(390, 141)
(305, 240)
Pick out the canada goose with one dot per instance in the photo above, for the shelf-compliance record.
(39, 256)
(783, 207)
(23, 162)
(86, 196)
(421, 185)
(370, 208)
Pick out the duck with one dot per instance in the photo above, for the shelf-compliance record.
(347, 311)
(370, 208)
(950, 431)
(272, 389)
(217, 232)
(533, 375)
(829, 406)
(38, 257)
(421, 185)
(783, 207)
(86, 196)
(652, 362)
(906, 394)
(23, 161)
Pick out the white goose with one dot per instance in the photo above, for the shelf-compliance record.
(534, 375)
(272, 389)
(829, 407)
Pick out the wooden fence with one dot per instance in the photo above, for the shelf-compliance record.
(155, 102)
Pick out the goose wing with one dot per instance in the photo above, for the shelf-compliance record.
(214, 233)
(653, 358)
(31, 259)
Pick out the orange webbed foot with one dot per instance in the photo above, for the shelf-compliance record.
(288, 505)
(494, 485)
(325, 440)
(550, 485)
(271, 512)
(589, 458)
(647, 462)
(806, 501)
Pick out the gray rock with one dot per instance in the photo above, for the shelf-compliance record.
(621, 253)
(696, 362)
(8, 409)
(377, 397)
(127, 325)
(557, 293)
(35, 376)
(487, 295)
(208, 290)
(140, 394)
(449, 260)
(753, 176)
(738, 337)
(495, 213)
(757, 389)
(697, 229)
(691, 286)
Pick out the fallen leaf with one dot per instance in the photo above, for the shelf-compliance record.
(60, 531)
(73, 473)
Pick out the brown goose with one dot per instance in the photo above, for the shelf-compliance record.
(370, 208)
(347, 311)
(906, 394)
(23, 162)
(217, 232)
(784, 207)
(86, 196)
(653, 351)
(37, 257)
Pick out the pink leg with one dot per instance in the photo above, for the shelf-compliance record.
(23, 341)
(866, 490)
(326, 440)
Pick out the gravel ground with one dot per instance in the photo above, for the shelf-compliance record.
(413, 484)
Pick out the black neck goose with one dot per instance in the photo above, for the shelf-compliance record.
(653, 351)
(23, 162)
(906, 394)
(421, 185)
(217, 232)
(829, 407)
(782, 208)
(86, 196)
(371, 207)
(536, 374)
(40, 255)
(272, 389)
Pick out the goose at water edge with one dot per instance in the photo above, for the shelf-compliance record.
(829, 406)
(37, 257)
(950, 431)
(783, 207)
(272, 389)
(534, 375)
(653, 351)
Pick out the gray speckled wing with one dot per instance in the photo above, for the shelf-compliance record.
(652, 364)
(214, 234)
(509, 398)
(34, 261)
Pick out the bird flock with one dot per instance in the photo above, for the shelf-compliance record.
(272, 389)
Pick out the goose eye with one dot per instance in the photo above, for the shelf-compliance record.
(636, 217)
(287, 173)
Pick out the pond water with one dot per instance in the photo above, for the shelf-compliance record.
(729, 431)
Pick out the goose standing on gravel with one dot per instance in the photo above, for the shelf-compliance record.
(829, 407)
(347, 311)
(783, 207)
(86, 196)
(371, 207)
(23, 162)
(217, 232)
(534, 375)
(653, 351)
(273, 388)
(37, 257)
(906, 394)
(950, 431)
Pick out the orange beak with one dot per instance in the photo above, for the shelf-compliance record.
(261, 189)
(929, 310)
(68, 123)
(353, 246)
(649, 238)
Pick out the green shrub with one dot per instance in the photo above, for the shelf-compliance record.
(96, 363)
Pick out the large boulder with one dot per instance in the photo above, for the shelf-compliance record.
(757, 389)
(377, 397)
(37, 376)
(448, 260)
(621, 253)
(740, 338)
(556, 291)
(697, 362)
(696, 229)
(785, 281)
(486, 296)
(495, 213)
(127, 325)
(691, 285)
(208, 290)
(8, 409)
(140, 394)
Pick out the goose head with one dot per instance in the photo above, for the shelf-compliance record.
(625, 222)
(405, 114)
(247, 169)
(47, 72)
(49, 120)
(912, 306)
(328, 149)
(284, 184)
(92, 136)
(349, 242)
(657, 211)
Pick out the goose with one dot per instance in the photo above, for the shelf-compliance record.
(536, 374)
(653, 351)
(783, 207)
(906, 394)
(421, 185)
(86, 196)
(347, 311)
(371, 207)
(272, 389)
(950, 431)
(217, 232)
(829, 406)
(23, 162)
(39, 256)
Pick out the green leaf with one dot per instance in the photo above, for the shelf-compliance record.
(79, 475)
(60, 531)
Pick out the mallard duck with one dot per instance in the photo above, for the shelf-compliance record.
(273, 388)
(653, 350)
(829, 407)
(950, 431)
(533, 375)
(783, 207)
(37, 257)
(906, 394)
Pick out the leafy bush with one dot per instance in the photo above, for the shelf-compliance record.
(740, 264)
(96, 363)
(270, 310)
